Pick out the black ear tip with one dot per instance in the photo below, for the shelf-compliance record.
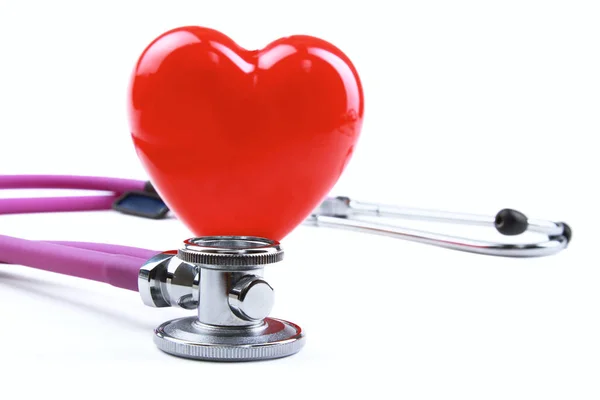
(510, 222)
(567, 232)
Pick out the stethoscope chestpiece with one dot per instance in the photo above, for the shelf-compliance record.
(221, 276)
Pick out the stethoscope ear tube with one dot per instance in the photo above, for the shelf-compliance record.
(345, 213)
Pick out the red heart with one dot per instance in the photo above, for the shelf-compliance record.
(241, 142)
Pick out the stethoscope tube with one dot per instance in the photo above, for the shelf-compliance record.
(108, 265)
(344, 213)
(113, 264)
(119, 265)
(545, 248)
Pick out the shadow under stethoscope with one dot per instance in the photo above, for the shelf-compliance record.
(39, 288)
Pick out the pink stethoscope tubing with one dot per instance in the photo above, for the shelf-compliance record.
(109, 263)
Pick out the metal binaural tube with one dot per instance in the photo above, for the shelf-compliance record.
(345, 213)
(538, 249)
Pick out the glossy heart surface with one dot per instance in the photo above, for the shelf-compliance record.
(243, 142)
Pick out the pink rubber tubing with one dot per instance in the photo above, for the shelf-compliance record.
(109, 263)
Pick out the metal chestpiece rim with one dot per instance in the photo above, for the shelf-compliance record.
(231, 253)
(223, 277)
(186, 338)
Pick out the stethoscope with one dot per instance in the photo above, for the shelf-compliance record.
(222, 277)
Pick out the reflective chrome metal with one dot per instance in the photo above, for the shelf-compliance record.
(344, 213)
(231, 253)
(251, 298)
(167, 281)
(187, 338)
(223, 277)
(214, 308)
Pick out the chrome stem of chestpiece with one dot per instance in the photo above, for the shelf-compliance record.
(222, 277)
(344, 213)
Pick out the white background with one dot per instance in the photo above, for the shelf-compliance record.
(470, 106)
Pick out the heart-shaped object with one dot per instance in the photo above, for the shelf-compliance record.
(241, 142)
